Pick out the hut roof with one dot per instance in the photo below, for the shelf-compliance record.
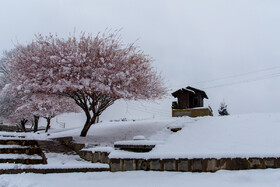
(190, 90)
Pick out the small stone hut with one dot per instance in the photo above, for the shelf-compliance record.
(188, 100)
(188, 97)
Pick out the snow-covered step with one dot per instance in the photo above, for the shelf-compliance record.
(136, 145)
(11, 136)
(51, 170)
(21, 158)
(12, 146)
(22, 142)
(21, 150)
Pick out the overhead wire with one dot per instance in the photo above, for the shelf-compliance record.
(149, 112)
(245, 81)
(237, 75)
(160, 112)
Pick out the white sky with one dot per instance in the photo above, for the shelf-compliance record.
(190, 40)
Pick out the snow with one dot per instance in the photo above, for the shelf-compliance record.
(251, 135)
(54, 160)
(12, 146)
(139, 137)
(19, 156)
(138, 142)
(189, 90)
(246, 178)
(217, 137)
(99, 149)
(203, 137)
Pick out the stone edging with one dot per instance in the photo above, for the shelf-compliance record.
(182, 164)
(194, 165)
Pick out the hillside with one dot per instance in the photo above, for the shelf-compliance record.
(251, 135)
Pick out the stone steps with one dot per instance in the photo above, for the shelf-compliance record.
(52, 170)
(21, 151)
(30, 153)
(97, 156)
(22, 160)
(21, 142)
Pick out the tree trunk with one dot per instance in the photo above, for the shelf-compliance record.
(87, 125)
(36, 121)
(48, 124)
(22, 124)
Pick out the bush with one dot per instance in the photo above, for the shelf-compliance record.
(223, 109)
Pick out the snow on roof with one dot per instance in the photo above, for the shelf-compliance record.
(190, 90)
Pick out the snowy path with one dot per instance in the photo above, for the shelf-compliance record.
(252, 178)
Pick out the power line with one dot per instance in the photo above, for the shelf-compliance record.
(150, 111)
(237, 75)
(146, 111)
(245, 81)
(150, 107)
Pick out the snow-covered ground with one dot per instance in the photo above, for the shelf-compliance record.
(55, 160)
(247, 178)
(251, 135)
(230, 136)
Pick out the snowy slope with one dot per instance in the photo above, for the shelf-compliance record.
(254, 135)
(251, 135)
(232, 136)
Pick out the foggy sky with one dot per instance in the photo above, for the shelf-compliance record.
(190, 41)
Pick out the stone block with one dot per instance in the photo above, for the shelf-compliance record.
(103, 156)
(277, 162)
(142, 164)
(211, 165)
(269, 163)
(128, 165)
(255, 163)
(115, 165)
(224, 163)
(169, 164)
(77, 146)
(196, 165)
(64, 140)
(96, 157)
(155, 164)
(183, 165)
(239, 164)
(87, 155)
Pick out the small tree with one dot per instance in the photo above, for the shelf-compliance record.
(93, 71)
(8, 101)
(223, 109)
(8, 106)
(4, 69)
(46, 106)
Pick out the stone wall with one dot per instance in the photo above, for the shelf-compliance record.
(182, 164)
(8, 128)
(193, 165)
(94, 157)
(194, 112)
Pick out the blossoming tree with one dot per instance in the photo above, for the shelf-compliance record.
(46, 106)
(93, 71)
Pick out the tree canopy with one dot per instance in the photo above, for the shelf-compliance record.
(93, 71)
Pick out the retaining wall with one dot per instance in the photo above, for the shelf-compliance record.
(182, 164)
(193, 112)
(194, 165)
